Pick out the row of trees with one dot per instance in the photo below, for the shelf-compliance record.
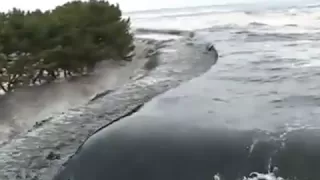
(41, 46)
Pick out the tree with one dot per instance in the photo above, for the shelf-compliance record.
(37, 47)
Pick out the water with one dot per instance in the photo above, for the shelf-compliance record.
(20, 110)
(266, 80)
(267, 77)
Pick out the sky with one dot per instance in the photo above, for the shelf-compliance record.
(128, 5)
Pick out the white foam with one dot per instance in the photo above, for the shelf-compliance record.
(160, 37)
(260, 176)
(254, 176)
(312, 64)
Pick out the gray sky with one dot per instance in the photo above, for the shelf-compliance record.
(127, 5)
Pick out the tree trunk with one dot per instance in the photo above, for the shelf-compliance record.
(3, 88)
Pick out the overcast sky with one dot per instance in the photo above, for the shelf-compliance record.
(126, 5)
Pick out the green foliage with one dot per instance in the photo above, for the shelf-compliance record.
(38, 47)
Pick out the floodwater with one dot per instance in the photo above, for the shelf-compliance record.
(256, 110)
(267, 80)
(255, 115)
(20, 110)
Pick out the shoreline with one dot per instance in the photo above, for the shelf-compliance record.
(41, 151)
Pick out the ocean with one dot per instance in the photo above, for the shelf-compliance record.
(269, 57)
(267, 77)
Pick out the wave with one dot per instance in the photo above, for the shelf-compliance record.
(224, 7)
(185, 13)
(161, 31)
(255, 176)
(291, 25)
(314, 5)
(258, 36)
(257, 24)
(207, 17)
